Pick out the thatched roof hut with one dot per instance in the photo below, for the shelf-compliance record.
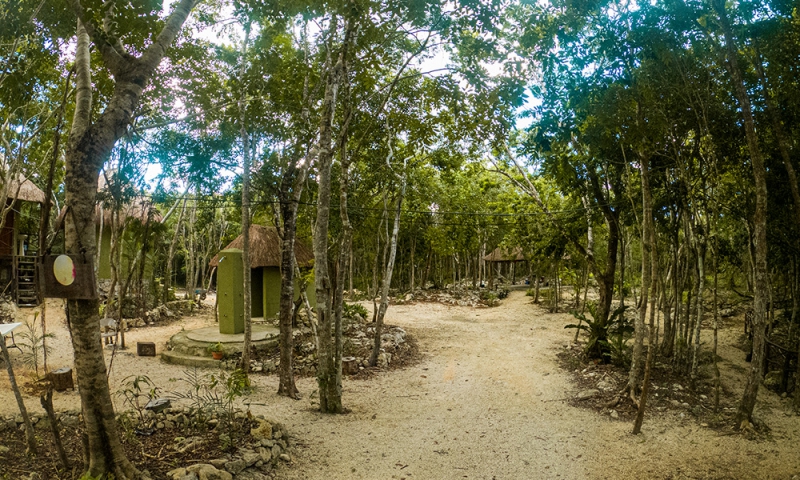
(265, 249)
(505, 255)
(27, 190)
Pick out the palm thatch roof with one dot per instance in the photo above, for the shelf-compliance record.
(505, 255)
(23, 189)
(137, 209)
(265, 249)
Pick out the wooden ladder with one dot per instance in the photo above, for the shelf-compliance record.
(27, 291)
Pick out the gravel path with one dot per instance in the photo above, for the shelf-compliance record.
(486, 402)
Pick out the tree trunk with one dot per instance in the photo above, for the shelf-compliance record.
(90, 144)
(622, 264)
(12, 379)
(246, 284)
(634, 376)
(668, 341)
(701, 272)
(412, 286)
(345, 246)
(649, 262)
(46, 399)
(761, 287)
(286, 384)
(387, 274)
(171, 252)
(330, 393)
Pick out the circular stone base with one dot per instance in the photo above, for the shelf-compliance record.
(212, 335)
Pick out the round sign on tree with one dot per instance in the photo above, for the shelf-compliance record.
(64, 270)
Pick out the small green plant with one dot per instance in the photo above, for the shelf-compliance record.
(619, 352)
(212, 394)
(33, 344)
(598, 345)
(502, 292)
(489, 298)
(136, 392)
(216, 347)
(350, 310)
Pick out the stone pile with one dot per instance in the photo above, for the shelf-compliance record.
(460, 296)
(253, 461)
(267, 445)
(162, 313)
(65, 419)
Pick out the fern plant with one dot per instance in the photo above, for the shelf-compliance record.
(617, 328)
(32, 343)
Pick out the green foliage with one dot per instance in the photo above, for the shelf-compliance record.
(350, 310)
(33, 343)
(136, 391)
(490, 298)
(606, 339)
(212, 394)
(619, 352)
(217, 347)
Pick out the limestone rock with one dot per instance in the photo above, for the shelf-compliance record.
(207, 471)
(265, 454)
(178, 472)
(604, 385)
(587, 394)
(262, 431)
(251, 458)
(236, 466)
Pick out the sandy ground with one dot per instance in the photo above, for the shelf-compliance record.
(488, 401)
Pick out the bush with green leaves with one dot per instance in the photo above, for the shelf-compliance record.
(33, 343)
(350, 310)
(607, 340)
(136, 392)
(489, 298)
(212, 394)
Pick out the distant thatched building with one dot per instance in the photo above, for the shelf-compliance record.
(17, 265)
(265, 273)
(504, 256)
(138, 209)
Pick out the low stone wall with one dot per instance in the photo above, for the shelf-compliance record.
(251, 458)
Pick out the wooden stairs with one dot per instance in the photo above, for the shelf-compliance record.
(27, 286)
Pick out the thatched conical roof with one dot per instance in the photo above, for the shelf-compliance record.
(265, 249)
(505, 255)
(27, 190)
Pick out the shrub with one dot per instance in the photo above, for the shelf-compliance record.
(607, 340)
(489, 298)
(350, 310)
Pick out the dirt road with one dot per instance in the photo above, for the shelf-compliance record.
(488, 403)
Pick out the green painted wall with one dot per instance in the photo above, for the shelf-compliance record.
(230, 278)
(270, 291)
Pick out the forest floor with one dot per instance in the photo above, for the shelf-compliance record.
(489, 399)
